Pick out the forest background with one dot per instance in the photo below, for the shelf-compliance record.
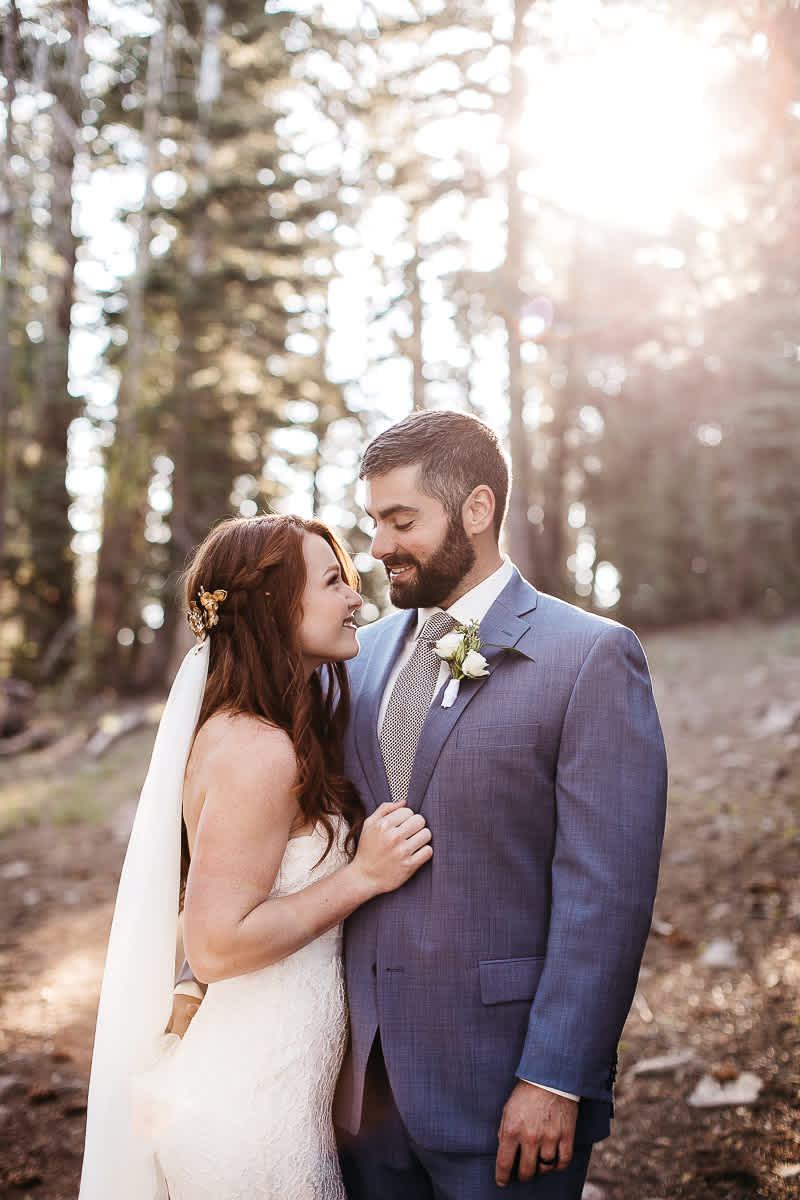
(239, 239)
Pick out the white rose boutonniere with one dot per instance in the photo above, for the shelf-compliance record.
(461, 649)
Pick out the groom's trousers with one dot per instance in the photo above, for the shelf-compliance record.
(383, 1163)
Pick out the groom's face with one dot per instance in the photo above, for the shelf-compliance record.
(426, 553)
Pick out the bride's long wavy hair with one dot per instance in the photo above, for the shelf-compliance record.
(255, 662)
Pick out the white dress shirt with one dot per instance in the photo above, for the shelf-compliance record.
(472, 606)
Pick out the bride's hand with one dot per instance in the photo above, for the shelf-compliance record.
(183, 1009)
(394, 843)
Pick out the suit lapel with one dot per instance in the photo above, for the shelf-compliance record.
(374, 674)
(504, 630)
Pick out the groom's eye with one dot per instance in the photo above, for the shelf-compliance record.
(403, 528)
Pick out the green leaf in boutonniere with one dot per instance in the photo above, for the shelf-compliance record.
(461, 650)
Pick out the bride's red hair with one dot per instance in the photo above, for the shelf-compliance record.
(255, 664)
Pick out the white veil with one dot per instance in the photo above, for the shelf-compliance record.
(136, 997)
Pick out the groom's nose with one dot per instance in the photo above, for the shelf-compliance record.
(382, 544)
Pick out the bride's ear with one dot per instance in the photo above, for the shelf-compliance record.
(478, 510)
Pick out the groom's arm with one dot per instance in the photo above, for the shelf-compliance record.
(610, 797)
(187, 996)
(556, 1091)
(186, 983)
(610, 802)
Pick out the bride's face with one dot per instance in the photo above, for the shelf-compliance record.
(327, 631)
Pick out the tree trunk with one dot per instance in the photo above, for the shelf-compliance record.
(50, 595)
(519, 527)
(552, 571)
(117, 600)
(417, 316)
(9, 396)
(201, 445)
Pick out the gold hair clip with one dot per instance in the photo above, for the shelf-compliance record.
(204, 617)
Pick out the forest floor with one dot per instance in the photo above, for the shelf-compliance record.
(729, 696)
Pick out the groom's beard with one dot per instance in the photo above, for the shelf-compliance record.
(438, 576)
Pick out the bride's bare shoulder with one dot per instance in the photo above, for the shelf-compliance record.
(241, 778)
(237, 745)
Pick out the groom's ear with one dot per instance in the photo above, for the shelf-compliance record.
(477, 511)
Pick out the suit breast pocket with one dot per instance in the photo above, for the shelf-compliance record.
(497, 737)
(504, 980)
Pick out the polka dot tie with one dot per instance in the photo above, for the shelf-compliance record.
(408, 705)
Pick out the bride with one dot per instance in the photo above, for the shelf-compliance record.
(275, 854)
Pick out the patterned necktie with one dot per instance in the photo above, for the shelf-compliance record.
(408, 705)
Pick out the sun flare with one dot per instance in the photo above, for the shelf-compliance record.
(624, 136)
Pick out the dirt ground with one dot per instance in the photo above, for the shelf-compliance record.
(729, 696)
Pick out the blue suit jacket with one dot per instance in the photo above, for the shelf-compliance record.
(515, 951)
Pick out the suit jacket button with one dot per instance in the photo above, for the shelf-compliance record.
(374, 969)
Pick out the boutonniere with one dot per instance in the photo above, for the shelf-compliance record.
(461, 649)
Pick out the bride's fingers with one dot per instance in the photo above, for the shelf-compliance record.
(387, 807)
(421, 856)
(413, 824)
(418, 841)
(398, 817)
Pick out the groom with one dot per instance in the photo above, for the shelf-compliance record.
(488, 994)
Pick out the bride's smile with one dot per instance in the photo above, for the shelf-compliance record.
(327, 631)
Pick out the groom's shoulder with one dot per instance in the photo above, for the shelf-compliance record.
(369, 635)
(562, 612)
(369, 639)
(377, 631)
(560, 619)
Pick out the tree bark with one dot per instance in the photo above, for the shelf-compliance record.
(519, 527)
(117, 600)
(9, 395)
(49, 600)
(201, 443)
(417, 317)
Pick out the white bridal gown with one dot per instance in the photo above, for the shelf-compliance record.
(240, 1107)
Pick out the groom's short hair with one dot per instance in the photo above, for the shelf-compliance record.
(455, 451)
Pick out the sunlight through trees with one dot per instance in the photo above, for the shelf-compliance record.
(238, 239)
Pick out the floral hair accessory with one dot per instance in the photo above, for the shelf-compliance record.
(204, 616)
(461, 649)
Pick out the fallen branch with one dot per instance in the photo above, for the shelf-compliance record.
(32, 738)
(116, 726)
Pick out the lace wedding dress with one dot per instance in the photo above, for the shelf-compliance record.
(240, 1107)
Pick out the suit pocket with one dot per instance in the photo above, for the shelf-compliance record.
(497, 737)
(507, 979)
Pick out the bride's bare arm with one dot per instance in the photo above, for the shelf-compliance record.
(240, 810)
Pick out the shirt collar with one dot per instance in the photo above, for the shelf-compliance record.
(474, 604)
